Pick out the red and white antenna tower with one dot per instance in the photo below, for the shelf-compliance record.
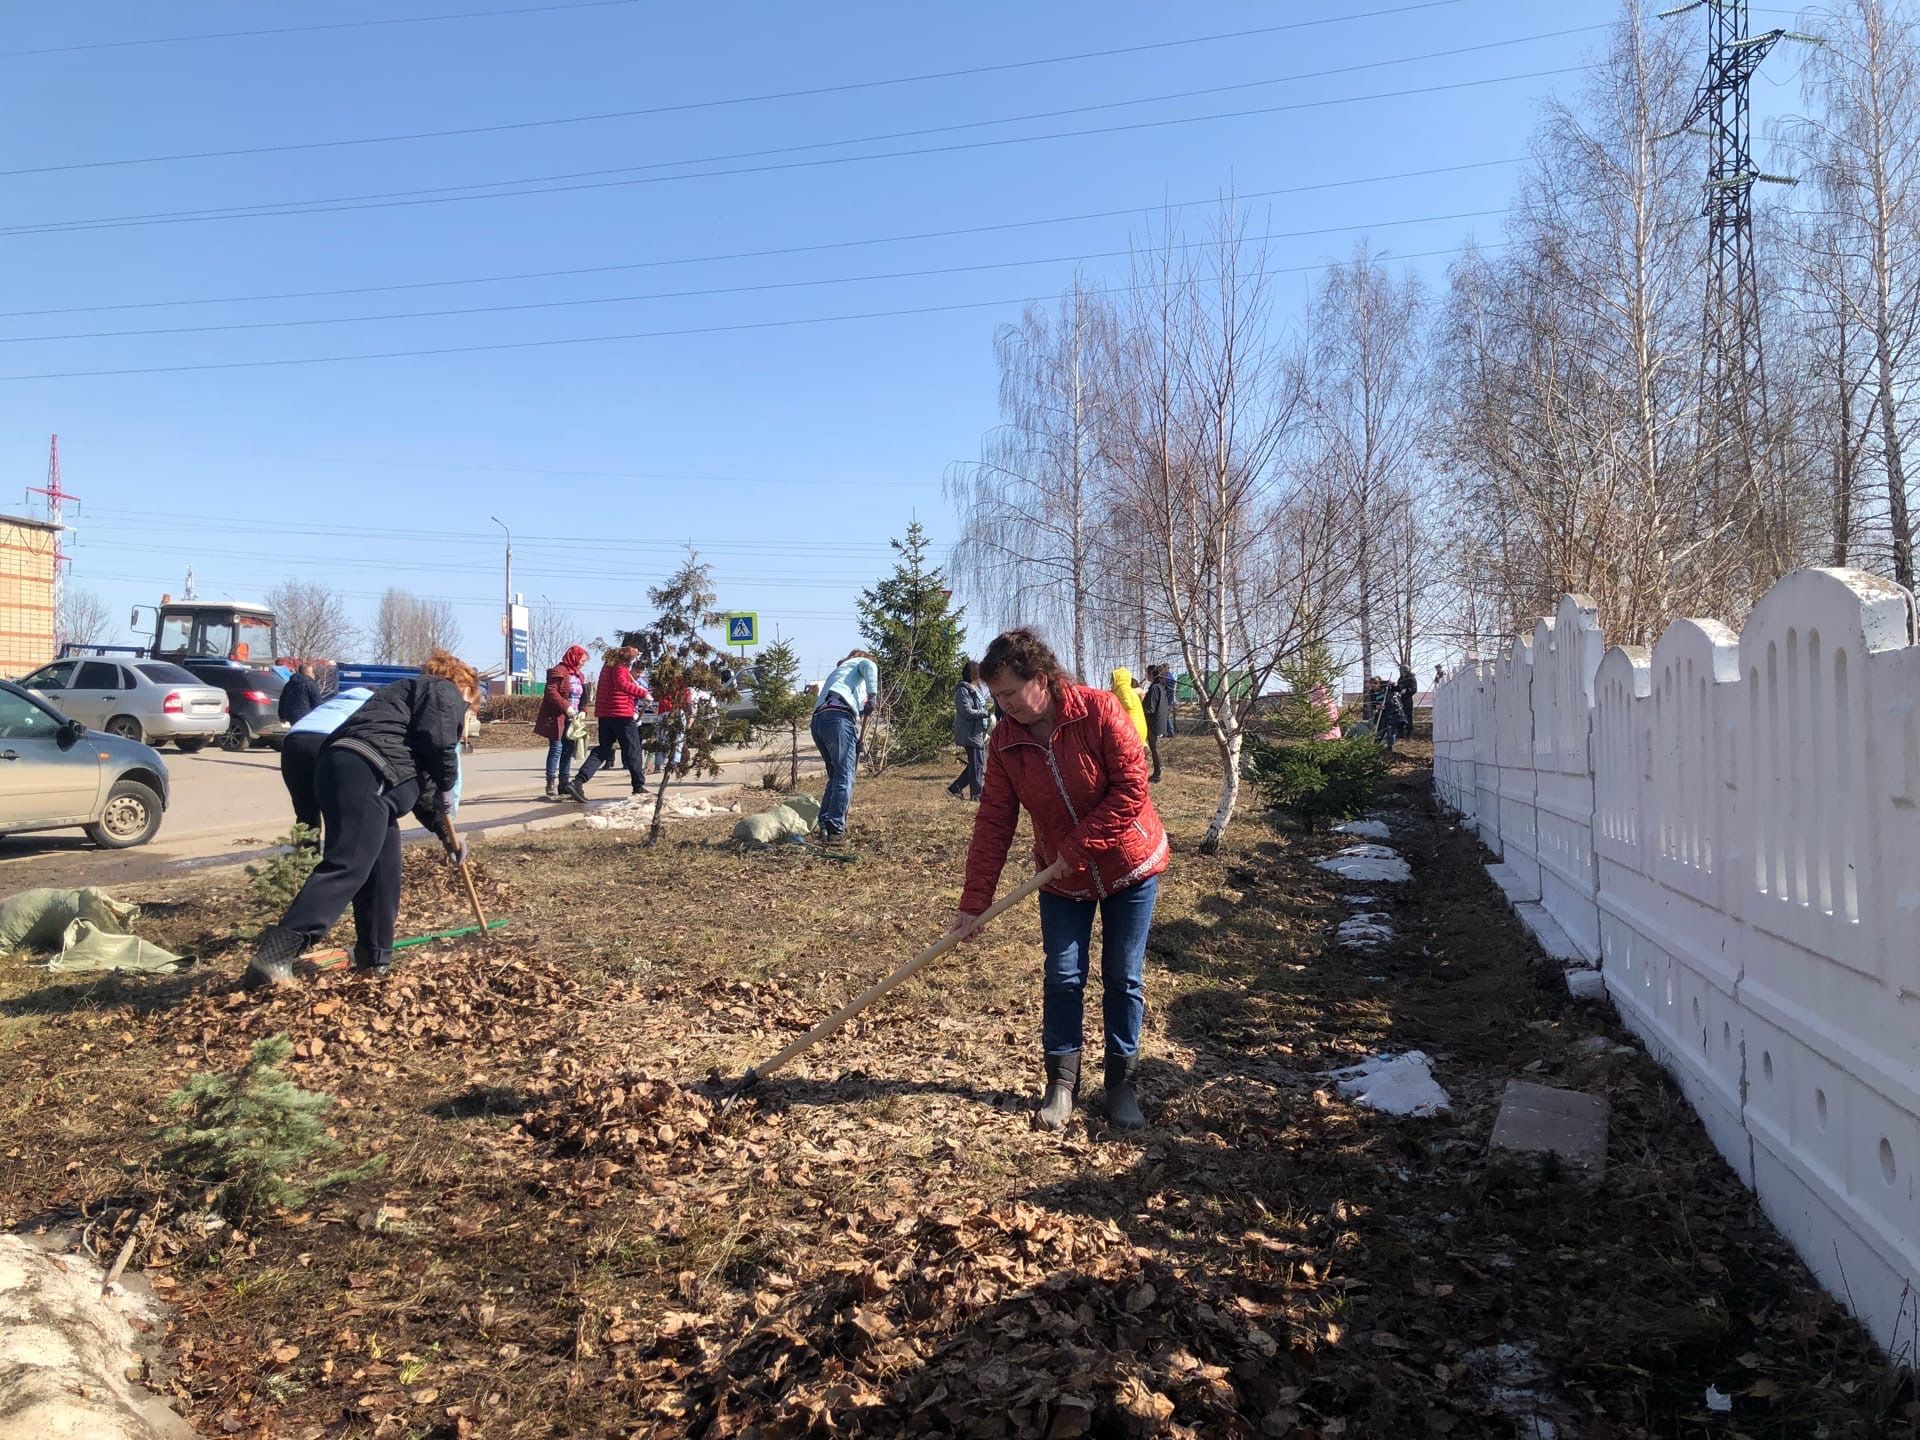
(56, 505)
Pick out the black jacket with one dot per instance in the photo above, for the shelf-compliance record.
(410, 730)
(300, 696)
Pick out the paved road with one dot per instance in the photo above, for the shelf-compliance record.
(226, 807)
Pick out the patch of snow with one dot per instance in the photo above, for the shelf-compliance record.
(1394, 1084)
(636, 812)
(69, 1350)
(1361, 901)
(1368, 930)
(1374, 864)
(1716, 1402)
(1365, 829)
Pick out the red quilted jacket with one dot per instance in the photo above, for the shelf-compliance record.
(618, 695)
(1086, 791)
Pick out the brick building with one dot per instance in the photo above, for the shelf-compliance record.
(26, 594)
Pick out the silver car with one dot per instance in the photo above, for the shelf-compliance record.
(149, 700)
(56, 773)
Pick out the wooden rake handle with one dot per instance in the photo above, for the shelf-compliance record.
(926, 957)
(473, 896)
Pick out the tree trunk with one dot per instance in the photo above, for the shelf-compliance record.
(793, 769)
(1843, 468)
(1897, 518)
(666, 773)
(1229, 743)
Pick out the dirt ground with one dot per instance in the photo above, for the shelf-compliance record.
(572, 1238)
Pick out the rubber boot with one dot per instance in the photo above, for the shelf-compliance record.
(1123, 1104)
(273, 957)
(369, 961)
(1063, 1083)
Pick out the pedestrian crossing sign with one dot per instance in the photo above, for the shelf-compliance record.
(743, 628)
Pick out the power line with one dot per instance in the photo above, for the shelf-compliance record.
(548, 472)
(608, 115)
(607, 339)
(428, 197)
(764, 254)
(709, 290)
(310, 29)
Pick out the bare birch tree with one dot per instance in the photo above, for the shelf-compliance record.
(1031, 505)
(1572, 362)
(407, 628)
(312, 620)
(1199, 473)
(1368, 400)
(81, 618)
(1863, 151)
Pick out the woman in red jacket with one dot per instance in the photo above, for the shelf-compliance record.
(616, 705)
(558, 705)
(1069, 755)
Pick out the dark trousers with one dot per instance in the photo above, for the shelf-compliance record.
(360, 861)
(1153, 749)
(623, 731)
(974, 777)
(299, 760)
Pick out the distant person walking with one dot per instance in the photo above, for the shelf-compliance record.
(399, 752)
(1158, 712)
(566, 689)
(1121, 682)
(1068, 755)
(1408, 686)
(848, 694)
(616, 705)
(300, 751)
(1390, 720)
(972, 721)
(1172, 688)
(299, 696)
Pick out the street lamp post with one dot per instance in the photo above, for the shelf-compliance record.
(506, 611)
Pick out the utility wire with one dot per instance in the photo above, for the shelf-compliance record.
(559, 342)
(709, 291)
(330, 206)
(765, 254)
(607, 115)
(311, 29)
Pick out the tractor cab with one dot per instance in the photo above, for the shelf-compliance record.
(215, 629)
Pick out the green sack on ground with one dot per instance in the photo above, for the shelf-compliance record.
(84, 946)
(784, 822)
(37, 919)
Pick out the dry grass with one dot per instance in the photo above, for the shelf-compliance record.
(572, 1238)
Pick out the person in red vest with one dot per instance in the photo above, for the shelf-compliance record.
(616, 705)
(1069, 756)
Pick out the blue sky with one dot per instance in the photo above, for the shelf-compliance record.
(788, 453)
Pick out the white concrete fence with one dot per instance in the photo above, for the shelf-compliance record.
(1729, 830)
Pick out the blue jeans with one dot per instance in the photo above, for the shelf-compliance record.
(1066, 932)
(559, 760)
(838, 740)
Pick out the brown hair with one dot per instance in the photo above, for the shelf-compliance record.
(857, 655)
(1028, 656)
(452, 667)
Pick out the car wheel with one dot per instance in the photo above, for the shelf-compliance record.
(192, 744)
(238, 737)
(131, 817)
(125, 726)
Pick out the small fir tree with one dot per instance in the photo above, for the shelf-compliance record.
(275, 881)
(777, 693)
(1317, 781)
(908, 622)
(249, 1134)
(680, 662)
(1300, 715)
